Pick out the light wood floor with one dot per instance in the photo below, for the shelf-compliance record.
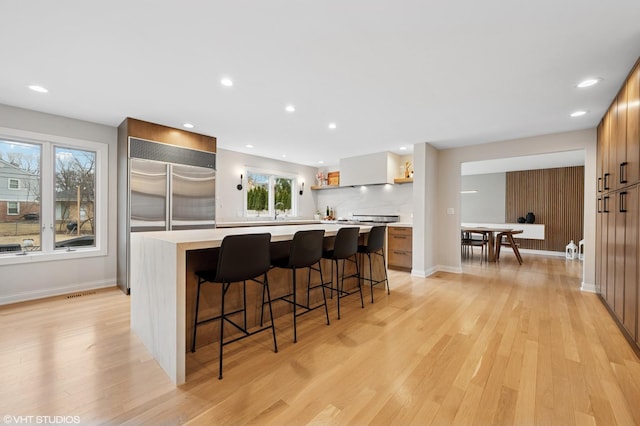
(499, 344)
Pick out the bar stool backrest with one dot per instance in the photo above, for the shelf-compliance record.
(376, 239)
(306, 248)
(346, 243)
(243, 257)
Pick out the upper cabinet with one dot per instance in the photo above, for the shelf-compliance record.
(372, 169)
(618, 162)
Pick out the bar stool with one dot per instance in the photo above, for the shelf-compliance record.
(305, 251)
(375, 245)
(345, 248)
(242, 258)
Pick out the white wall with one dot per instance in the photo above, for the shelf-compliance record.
(448, 196)
(40, 279)
(229, 166)
(488, 204)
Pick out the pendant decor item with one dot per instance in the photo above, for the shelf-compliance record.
(530, 217)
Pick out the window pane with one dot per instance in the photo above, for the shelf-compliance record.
(282, 196)
(257, 194)
(75, 184)
(19, 196)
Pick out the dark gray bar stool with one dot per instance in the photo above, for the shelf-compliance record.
(375, 245)
(242, 258)
(345, 248)
(305, 251)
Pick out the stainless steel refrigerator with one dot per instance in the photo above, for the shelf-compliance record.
(167, 188)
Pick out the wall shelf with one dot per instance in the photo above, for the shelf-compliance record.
(315, 187)
(403, 180)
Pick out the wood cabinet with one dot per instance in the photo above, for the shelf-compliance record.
(399, 243)
(618, 208)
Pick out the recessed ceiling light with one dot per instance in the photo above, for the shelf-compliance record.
(332, 126)
(249, 145)
(38, 89)
(578, 113)
(284, 155)
(403, 148)
(188, 125)
(588, 82)
(320, 162)
(227, 82)
(290, 108)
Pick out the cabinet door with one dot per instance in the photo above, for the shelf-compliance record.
(619, 227)
(605, 148)
(621, 179)
(632, 169)
(629, 204)
(608, 249)
(599, 216)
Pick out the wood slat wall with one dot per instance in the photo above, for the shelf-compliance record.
(556, 197)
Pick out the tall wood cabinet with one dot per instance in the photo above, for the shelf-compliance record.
(618, 213)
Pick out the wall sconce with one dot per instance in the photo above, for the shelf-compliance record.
(301, 188)
(239, 186)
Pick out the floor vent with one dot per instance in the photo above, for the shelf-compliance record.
(86, 293)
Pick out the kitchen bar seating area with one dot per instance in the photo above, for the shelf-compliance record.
(168, 269)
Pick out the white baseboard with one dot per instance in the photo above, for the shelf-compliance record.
(451, 269)
(57, 291)
(589, 288)
(544, 252)
(423, 273)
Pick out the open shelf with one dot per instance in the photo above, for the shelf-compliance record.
(403, 180)
(315, 187)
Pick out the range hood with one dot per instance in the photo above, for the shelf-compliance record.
(372, 169)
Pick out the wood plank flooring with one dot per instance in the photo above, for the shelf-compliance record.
(499, 344)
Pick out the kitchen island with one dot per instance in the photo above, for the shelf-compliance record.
(163, 284)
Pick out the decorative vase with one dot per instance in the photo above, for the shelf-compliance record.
(521, 220)
(530, 217)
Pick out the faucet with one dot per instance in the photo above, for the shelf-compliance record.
(281, 204)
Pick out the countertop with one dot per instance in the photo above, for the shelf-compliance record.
(401, 224)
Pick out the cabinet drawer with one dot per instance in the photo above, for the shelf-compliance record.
(400, 241)
(400, 230)
(400, 258)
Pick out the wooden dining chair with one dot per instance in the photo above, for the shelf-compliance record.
(468, 242)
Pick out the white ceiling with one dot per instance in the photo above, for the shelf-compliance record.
(389, 73)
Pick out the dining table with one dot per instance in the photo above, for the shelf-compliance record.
(490, 234)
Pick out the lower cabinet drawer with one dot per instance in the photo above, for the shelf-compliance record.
(400, 258)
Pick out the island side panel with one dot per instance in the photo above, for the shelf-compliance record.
(154, 301)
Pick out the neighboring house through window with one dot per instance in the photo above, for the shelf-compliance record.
(54, 193)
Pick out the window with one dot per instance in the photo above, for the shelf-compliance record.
(270, 194)
(13, 208)
(55, 197)
(75, 173)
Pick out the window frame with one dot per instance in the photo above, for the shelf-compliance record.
(273, 175)
(17, 213)
(17, 181)
(48, 251)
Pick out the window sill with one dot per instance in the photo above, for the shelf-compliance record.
(30, 257)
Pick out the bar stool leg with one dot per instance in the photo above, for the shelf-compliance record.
(295, 331)
(195, 319)
(222, 318)
(273, 327)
